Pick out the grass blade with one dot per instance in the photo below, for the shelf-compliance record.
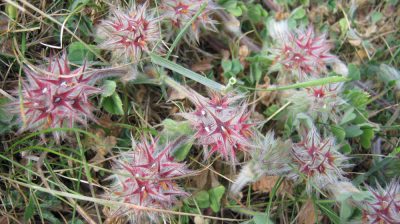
(186, 72)
(317, 82)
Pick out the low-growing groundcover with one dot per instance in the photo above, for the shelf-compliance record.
(199, 111)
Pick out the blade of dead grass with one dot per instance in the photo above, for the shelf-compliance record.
(110, 202)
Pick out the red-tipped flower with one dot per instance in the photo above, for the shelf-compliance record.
(318, 161)
(129, 33)
(146, 177)
(179, 12)
(384, 205)
(221, 124)
(56, 97)
(321, 103)
(324, 102)
(303, 54)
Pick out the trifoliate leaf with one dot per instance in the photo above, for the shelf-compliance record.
(215, 197)
(108, 88)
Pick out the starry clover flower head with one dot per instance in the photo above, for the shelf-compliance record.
(300, 53)
(128, 33)
(147, 177)
(55, 97)
(177, 13)
(318, 161)
(221, 124)
(384, 205)
(322, 103)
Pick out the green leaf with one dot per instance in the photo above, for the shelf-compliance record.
(261, 218)
(302, 118)
(6, 118)
(235, 11)
(305, 2)
(332, 5)
(343, 26)
(242, 6)
(255, 72)
(354, 72)
(49, 201)
(186, 72)
(215, 197)
(11, 11)
(174, 128)
(47, 215)
(348, 116)
(229, 75)
(345, 211)
(357, 98)
(361, 196)
(298, 13)
(233, 7)
(30, 209)
(78, 53)
(256, 13)
(339, 132)
(271, 110)
(366, 137)
(108, 88)
(376, 16)
(181, 152)
(395, 152)
(202, 199)
(353, 131)
(346, 149)
(228, 4)
(113, 104)
(226, 65)
(343, 196)
(76, 3)
(237, 67)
